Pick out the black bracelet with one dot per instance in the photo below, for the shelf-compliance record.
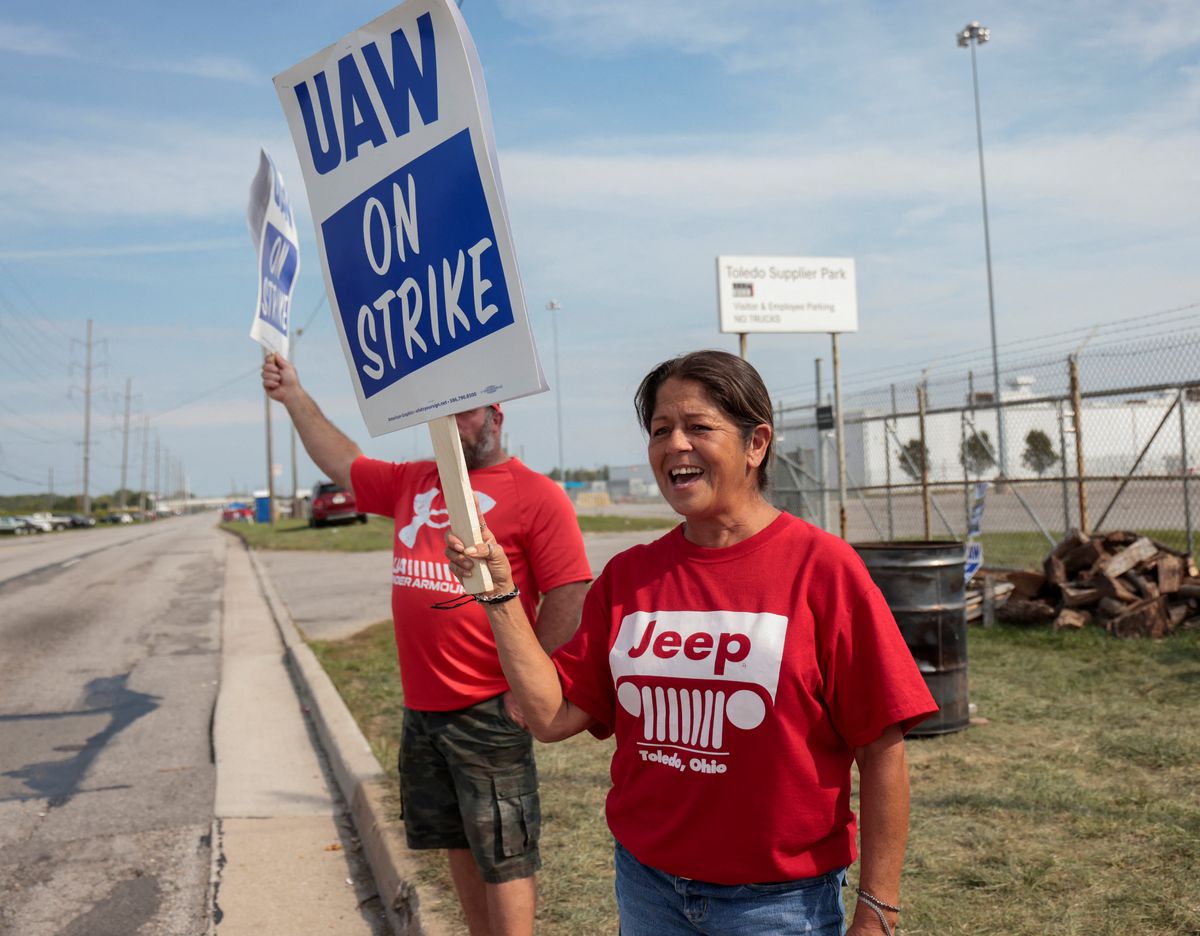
(498, 599)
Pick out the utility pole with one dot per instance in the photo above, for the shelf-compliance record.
(50, 496)
(156, 464)
(125, 445)
(821, 454)
(145, 453)
(87, 421)
(295, 480)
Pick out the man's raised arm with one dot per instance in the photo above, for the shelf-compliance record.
(326, 445)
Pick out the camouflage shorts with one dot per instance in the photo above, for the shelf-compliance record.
(468, 780)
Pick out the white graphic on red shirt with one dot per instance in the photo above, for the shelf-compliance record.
(424, 514)
(691, 675)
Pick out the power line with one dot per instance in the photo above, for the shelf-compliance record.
(15, 477)
(201, 396)
(1066, 337)
(32, 302)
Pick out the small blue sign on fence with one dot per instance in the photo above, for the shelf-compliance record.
(974, 560)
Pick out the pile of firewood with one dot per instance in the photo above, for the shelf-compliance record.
(1128, 584)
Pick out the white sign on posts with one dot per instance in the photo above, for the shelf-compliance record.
(392, 128)
(273, 227)
(786, 294)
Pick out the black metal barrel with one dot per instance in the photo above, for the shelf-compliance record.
(923, 585)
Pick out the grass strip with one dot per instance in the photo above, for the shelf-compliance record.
(376, 533)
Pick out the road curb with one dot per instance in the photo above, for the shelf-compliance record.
(364, 785)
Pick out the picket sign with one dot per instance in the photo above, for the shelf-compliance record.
(273, 228)
(394, 136)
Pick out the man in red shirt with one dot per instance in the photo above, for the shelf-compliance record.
(468, 783)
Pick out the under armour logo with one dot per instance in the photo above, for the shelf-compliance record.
(424, 514)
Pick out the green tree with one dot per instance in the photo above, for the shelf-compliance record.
(1039, 453)
(913, 456)
(975, 453)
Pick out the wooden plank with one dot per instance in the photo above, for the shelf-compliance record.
(1170, 574)
(1177, 614)
(1116, 589)
(1170, 550)
(1119, 538)
(1126, 559)
(1056, 572)
(1070, 619)
(1072, 540)
(460, 499)
(1026, 584)
(1084, 557)
(1144, 586)
(1110, 607)
(1026, 611)
(1079, 597)
(1145, 619)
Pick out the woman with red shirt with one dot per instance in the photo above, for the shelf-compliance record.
(744, 662)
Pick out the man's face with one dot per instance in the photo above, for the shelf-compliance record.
(480, 434)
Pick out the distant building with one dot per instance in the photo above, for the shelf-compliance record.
(1115, 429)
(632, 482)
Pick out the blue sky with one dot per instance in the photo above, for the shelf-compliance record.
(637, 142)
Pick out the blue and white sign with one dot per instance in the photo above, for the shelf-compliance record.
(273, 227)
(974, 558)
(392, 128)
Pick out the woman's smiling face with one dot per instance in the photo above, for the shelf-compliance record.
(703, 465)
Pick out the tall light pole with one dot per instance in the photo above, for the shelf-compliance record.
(972, 35)
(554, 306)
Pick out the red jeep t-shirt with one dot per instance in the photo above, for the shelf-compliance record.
(738, 681)
(448, 659)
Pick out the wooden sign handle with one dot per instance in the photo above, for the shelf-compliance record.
(460, 499)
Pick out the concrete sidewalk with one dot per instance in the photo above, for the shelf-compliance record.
(287, 849)
(276, 813)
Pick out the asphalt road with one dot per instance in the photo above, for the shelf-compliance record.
(109, 643)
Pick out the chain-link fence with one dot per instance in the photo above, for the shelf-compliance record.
(1097, 440)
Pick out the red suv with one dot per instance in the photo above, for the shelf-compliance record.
(331, 503)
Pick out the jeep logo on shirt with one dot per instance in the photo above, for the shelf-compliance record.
(699, 646)
(689, 674)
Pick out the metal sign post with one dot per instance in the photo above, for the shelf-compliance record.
(839, 434)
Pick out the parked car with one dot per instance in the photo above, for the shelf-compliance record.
(80, 520)
(332, 503)
(237, 511)
(17, 526)
(56, 522)
(37, 524)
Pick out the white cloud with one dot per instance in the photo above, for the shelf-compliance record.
(1089, 178)
(24, 39)
(1155, 30)
(34, 40)
(700, 26)
(122, 169)
(124, 250)
(220, 68)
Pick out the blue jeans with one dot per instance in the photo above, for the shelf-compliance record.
(652, 903)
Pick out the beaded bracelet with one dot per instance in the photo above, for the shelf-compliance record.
(453, 604)
(498, 599)
(878, 906)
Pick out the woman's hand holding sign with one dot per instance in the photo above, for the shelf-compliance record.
(463, 559)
